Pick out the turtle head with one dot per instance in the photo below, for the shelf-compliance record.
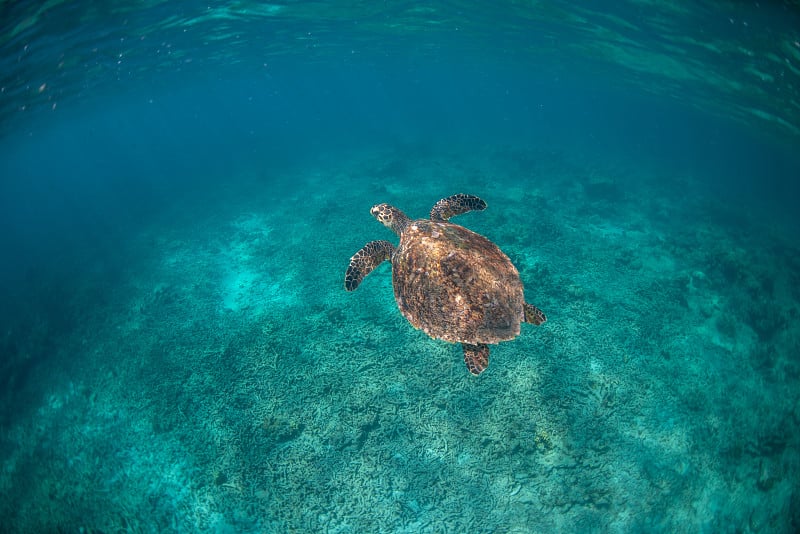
(390, 217)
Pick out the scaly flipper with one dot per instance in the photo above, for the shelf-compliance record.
(456, 205)
(476, 357)
(365, 260)
(533, 314)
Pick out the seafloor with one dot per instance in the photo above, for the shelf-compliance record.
(209, 373)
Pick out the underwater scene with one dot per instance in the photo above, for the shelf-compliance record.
(399, 267)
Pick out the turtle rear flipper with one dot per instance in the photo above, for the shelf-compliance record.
(365, 260)
(533, 314)
(456, 205)
(476, 357)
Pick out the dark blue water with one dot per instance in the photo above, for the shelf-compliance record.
(182, 187)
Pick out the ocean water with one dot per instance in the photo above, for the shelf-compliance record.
(182, 185)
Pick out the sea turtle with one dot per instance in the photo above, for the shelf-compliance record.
(450, 282)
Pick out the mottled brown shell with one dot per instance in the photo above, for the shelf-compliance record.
(456, 285)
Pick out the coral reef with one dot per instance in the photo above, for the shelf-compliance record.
(226, 382)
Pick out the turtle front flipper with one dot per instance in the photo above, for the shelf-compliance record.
(476, 357)
(365, 260)
(456, 205)
(533, 314)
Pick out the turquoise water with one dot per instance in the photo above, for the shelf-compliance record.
(182, 185)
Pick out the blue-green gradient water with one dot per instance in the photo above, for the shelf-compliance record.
(182, 185)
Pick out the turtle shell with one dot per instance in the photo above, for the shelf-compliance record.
(456, 285)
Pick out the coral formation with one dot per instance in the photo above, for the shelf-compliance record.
(226, 383)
